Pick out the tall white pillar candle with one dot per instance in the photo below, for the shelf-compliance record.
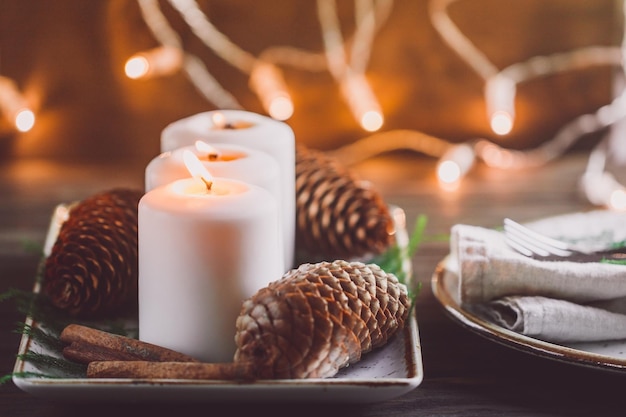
(201, 254)
(248, 129)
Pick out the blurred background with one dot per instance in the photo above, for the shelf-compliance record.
(67, 57)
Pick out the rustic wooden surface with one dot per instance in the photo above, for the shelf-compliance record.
(465, 375)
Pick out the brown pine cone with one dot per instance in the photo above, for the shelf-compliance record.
(92, 268)
(337, 216)
(319, 318)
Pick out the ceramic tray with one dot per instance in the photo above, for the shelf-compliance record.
(388, 372)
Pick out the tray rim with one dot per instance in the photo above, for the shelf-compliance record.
(314, 389)
(387, 388)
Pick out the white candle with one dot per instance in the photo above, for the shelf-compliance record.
(232, 161)
(201, 254)
(254, 131)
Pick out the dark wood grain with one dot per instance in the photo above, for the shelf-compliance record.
(465, 375)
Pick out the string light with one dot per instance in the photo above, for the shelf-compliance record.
(266, 79)
(500, 89)
(604, 190)
(193, 66)
(14, 106)
(600, 187)
(160, 61)
(25, 120)
(454, 164)
(353, 85)
(500, 102)
(268, 83)
(500, 85)
(392, 140)
(457, 41)
(362, 102)
(347, 63)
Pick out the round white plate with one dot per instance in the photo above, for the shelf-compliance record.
(605, 355)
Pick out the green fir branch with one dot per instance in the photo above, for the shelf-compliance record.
(51, 363)
(49, 322)
(613, 261)
(49, 340)
(393, 259)
(37, 307)
(8, 377)
(617, 245)
(31, 246)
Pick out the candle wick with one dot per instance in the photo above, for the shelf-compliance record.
(208, 183)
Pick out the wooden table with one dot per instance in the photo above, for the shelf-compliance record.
(465, 374)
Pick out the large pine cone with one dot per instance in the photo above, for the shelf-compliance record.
(337, 216)
(92, 268)
(320, 318)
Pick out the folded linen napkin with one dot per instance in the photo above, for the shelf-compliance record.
(554, 320)
(551, 300)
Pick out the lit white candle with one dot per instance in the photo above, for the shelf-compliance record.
(202, 252)
(254, 131)
(223, 160)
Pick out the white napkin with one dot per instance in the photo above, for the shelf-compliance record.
(555, 320)
(557, 300)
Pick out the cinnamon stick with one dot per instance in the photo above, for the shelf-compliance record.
(86, 344)
(85, 353)
(171, 370)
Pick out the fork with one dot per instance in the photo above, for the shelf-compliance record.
(536, 245)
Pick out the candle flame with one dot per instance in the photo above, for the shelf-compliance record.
(196, 169)
(206, 149)
(219, 120)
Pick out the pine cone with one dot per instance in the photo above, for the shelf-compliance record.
(92, 268)
(319, 318)
(336, 215)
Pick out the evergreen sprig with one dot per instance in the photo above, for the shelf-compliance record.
(49, 340)
(54, 366)
(45, 332)
(393, 259)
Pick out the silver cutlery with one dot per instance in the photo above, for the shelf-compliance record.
(539, 246)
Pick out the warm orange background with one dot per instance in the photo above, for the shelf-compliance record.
(68, 56)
